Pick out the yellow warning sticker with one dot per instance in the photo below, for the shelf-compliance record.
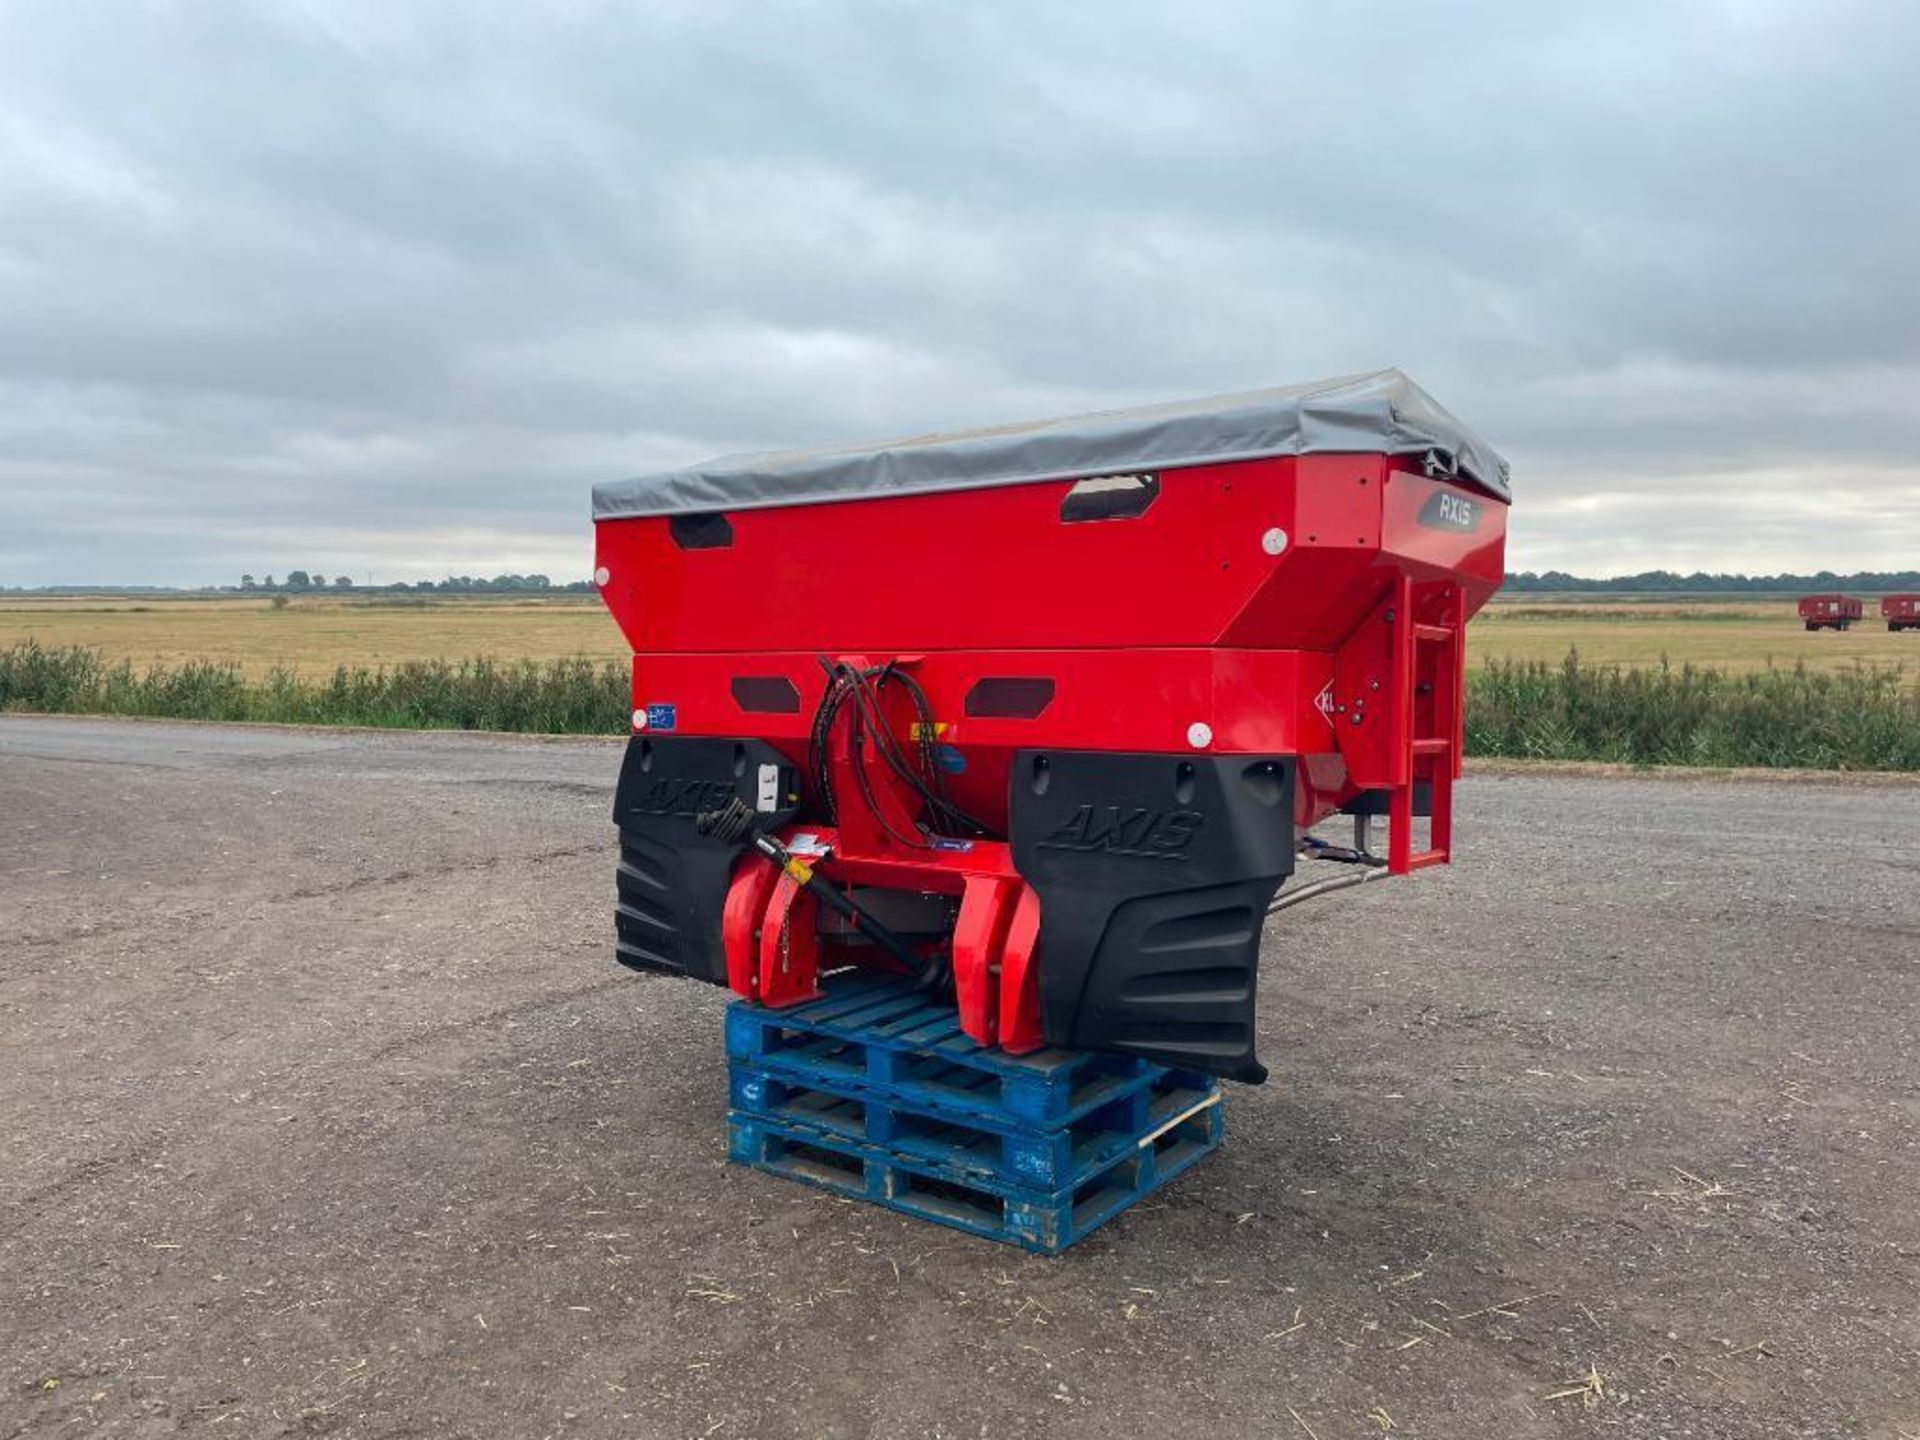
(928, 729)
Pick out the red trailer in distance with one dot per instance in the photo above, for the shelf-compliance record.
(1829, 612)
(1901, 612)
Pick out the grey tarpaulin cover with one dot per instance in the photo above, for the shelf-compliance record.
(1378, 413)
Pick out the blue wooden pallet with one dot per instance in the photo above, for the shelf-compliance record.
(1035, 1219)
(893, 1037)
(992, 1145)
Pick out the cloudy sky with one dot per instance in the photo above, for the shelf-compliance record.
(384, 287)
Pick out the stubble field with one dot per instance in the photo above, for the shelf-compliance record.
(315, 634)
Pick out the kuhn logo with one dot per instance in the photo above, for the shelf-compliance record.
(683, 797)
(1144, 834)
(1448, 510)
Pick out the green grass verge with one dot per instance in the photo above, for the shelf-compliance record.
(1865, 719)
(560, 697)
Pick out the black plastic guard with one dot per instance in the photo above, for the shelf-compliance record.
(673, 880)
(1154, 874)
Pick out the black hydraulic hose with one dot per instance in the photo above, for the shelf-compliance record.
(846, 683)
(735, 822)
(841, 903)
(1368, 867)
(1316, 848)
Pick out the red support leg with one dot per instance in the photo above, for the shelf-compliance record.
(1020, 978)
(986, 910)
(788, 947)
(740, 921)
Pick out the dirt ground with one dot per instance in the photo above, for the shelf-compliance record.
(324, 1112)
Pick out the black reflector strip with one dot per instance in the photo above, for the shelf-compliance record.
(1009, 697)
(765, 694)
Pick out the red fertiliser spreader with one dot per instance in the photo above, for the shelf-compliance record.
(1040, 718)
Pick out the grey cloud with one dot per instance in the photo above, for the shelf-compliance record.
(357, 282)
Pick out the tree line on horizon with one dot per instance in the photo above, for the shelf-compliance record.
(1520, 582)
(1524, 582)
(1547, 582)
(301, 580)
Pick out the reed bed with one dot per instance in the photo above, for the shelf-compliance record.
(1867, 718)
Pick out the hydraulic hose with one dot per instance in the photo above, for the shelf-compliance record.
(1289, 898)
(841, 904)
(736, 822)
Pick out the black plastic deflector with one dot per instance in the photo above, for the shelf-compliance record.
(673, 880)
(1154, 874)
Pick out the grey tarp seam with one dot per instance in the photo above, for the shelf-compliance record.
(1381, 412)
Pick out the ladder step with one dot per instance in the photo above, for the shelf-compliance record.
(1434, 746)
(1433, 634)
(1426, 858)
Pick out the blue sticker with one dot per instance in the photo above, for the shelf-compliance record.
(950, 760)
(660, 717)
(959, 847)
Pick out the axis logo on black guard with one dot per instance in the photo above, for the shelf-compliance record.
(1141, 833)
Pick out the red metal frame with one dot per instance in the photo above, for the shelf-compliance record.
(1313, 607)
(774, 954)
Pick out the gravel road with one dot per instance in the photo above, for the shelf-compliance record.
(324, 1111)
